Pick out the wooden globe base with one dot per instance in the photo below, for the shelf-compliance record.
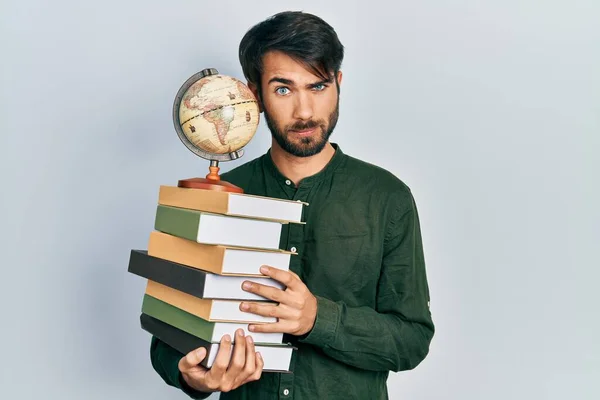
(211, 182)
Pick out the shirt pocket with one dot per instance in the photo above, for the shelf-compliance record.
(342, 263)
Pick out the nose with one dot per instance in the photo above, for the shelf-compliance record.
(303, 107)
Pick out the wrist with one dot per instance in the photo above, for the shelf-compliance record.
(311, 317)
(188, 385)
(324, 329)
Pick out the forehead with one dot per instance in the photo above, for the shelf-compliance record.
(278, 64)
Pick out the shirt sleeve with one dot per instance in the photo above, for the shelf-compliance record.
(165, 361)
(396, 335)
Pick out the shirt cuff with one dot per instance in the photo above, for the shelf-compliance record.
(326, 323)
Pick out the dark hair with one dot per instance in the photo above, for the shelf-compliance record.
(305, 37)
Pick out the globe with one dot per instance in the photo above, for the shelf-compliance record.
(215, 115)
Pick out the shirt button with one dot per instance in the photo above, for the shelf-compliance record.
(286, 392)
(293, 249)
(288, 182)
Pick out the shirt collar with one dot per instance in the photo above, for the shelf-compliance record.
(326, 172)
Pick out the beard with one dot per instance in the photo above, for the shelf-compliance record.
(306, 146)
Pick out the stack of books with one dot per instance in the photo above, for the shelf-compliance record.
(204, 245)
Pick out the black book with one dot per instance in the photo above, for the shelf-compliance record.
(276, 357)
(193, 281)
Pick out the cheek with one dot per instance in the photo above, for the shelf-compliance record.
(279, 111)
(326, 105)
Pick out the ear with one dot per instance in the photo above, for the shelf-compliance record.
(254, 91)
(339, 78)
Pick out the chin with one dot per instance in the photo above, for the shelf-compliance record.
(304, 147)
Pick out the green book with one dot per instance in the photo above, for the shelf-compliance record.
(218, 229)
(209, 331)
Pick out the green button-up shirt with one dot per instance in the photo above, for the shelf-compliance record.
(360, 253)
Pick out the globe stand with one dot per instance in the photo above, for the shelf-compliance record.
(211, 182)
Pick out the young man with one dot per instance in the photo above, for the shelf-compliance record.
(356, 303)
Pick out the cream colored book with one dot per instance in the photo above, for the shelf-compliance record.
(234, 204)
(209, 331)
(221, 260)
(208, 309)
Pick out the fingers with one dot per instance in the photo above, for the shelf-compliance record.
(250, 365)
(258, 368)
(192, 359)
(233, 366)
(268, 292)
(280, 311)
(278, 327)
(288, 278)
(244, 363)
(238, 358)
(260, 364)
(219, 366)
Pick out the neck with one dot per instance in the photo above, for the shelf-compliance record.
(298, 168)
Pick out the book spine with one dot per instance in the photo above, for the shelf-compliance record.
(177, 222)
(178, 318)
(195, 199)
(179, 340)
(185, 279)
(187, 252)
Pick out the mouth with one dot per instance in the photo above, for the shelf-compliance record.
(304, 132)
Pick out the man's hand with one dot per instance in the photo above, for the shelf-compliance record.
(225, 374)
(297, 308)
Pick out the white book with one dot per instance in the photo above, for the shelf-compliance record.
(244, 261)
(234, 231)
(230, 287)
(276, 358)
(229, 328)
(229, 310)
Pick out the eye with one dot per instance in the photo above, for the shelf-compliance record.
(282, 91)
(320, 87)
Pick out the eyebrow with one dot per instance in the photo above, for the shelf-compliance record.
(291, 82)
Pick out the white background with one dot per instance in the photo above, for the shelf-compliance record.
(488, 110)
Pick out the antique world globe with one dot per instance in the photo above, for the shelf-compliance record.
(215, 116)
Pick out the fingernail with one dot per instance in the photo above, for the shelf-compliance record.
(249, 338)
(247, 285)
(258, 355)
(245, 306)
(240, 332)
(227, 338)
(250, 327)
(264, 269)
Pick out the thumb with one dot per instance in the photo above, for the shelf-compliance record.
(192, 359)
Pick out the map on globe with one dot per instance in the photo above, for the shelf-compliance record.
(219, 114)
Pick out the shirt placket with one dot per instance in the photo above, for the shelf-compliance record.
(296, 232)
(288, 188)
(295, 244)
(286, 386)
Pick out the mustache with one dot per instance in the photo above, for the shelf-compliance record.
(301, 126)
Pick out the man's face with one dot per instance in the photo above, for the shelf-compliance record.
(301, 109)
